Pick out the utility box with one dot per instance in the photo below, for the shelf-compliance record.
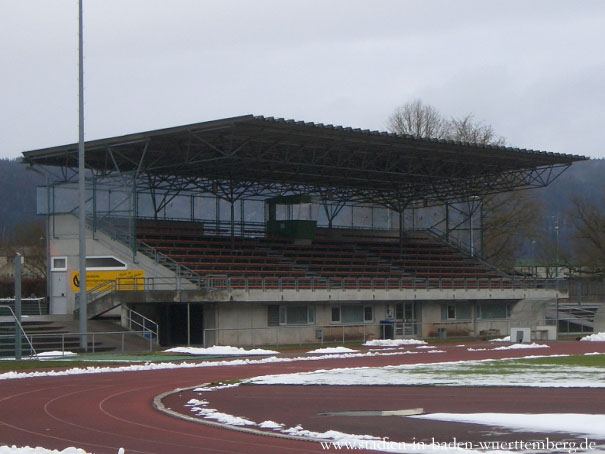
(520, 335)
(442, 333)
(545, 333)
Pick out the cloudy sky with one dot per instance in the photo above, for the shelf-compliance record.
(534, 70)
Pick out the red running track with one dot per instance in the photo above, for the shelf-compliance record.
(103, 412)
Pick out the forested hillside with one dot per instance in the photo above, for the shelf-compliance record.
(17, 196)
(583, 179)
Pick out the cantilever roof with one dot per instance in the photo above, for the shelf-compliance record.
(295, 154)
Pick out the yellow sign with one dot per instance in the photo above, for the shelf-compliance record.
(125, 280)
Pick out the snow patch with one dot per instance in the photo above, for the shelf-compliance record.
(186, 365)
(597, 337)
(502, 339)
(221, 351)
(215, 388)
(55, 354)
(446, 374)
(331, 350)
(335, 435)
(592, 426)
(393, 342)
(521, 346)
(270, 425)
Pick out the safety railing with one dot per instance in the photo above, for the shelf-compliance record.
(233, 283)
(17, 342)
(29, 306)
(400, 284)
(98, 342)
(139, 323)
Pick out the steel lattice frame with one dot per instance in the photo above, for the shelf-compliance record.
(256, 157)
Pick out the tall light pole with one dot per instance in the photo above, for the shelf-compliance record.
(83, 326)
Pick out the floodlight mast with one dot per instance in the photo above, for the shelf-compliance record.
(83, 325)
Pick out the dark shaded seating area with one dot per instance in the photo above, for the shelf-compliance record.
(418, 256)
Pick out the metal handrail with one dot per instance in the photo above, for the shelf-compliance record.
(318, 283)
(20, 327)
(226, 282)
(170, 263)
(89, 335)
(153, 331)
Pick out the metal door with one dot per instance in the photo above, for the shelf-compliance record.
(58, 292)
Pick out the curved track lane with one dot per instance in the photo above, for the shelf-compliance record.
(103, 412)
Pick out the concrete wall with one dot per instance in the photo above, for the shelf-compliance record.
(64, 243)
(247, 324)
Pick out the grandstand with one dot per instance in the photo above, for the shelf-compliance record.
(254, 230)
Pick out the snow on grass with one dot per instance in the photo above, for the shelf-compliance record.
(55, 354)
(597, 337)
(504, 372)
(591, 426)
(521, 346)
(331, 351)
(38, 450)
(220, 350)
(185, 365)
(393, 342)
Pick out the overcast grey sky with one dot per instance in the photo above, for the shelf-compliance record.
(534, 70)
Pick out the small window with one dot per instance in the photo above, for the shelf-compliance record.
(273, 315)
(336, 314)
(451, 311)
(368, 314)
(59, 264)
(310, 314)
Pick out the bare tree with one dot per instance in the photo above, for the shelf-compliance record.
(29, 240)
(588, 217)
(466, 129)
(418, 120)
(508, 217)
(511, 219)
